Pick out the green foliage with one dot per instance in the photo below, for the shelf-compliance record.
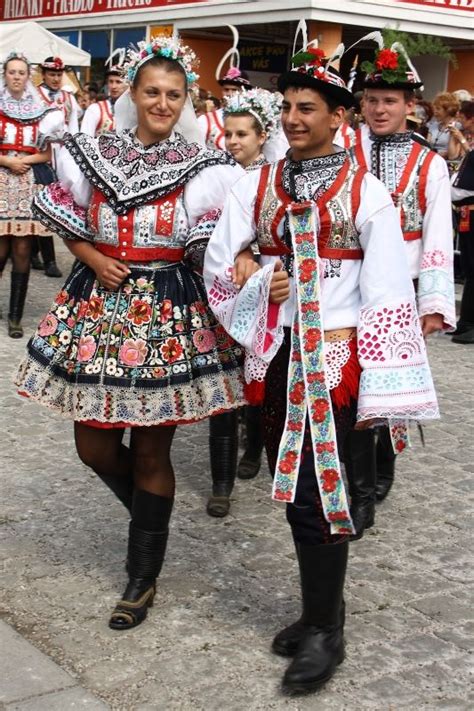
(417, 45)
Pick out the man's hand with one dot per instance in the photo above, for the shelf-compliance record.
(110, 272)
(431, 323)
(279, 285)
(244, 267)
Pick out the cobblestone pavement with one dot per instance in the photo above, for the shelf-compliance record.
(228, 585)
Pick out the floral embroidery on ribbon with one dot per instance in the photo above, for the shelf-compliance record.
(307, 388)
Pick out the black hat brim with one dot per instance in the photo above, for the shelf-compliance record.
(235, 82)
(52, 69)
(399, 85)
(338, 93)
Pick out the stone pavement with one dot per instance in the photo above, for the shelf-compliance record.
(227, 585)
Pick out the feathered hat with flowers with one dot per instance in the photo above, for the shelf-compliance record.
(391, 67)
(263, 105)
(167, 47)
(311, 68)
(54, 64)
(234, 75)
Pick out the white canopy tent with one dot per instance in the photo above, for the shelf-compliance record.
(37, 43)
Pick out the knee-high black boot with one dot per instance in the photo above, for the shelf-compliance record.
(385, 457)
(251, 461)
(321, 648)
(46, 245)
(223, 449)
(18, 289)
(359, 461)
(35, 259)
(148, 536)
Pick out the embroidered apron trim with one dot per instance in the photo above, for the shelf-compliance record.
(308, 394)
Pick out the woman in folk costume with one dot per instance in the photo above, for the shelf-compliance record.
(211, 124)
(251, 126)
(27, 125)
(130, 340)
(330, 322)
(418, 181)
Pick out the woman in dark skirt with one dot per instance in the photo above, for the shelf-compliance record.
(130, 340)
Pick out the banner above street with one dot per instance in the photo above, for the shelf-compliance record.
(37, 9)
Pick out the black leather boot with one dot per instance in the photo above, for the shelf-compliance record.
(18, 289)
(223, 449)
(35, 259)
(251, 461)
(359, 460)
(49, 257)
(146, 553)
(385, 459)
(464, 332)
(321, 648)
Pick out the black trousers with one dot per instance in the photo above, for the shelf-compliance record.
(305, 515)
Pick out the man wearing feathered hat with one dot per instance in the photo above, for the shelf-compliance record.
(330, 323)
(211, 124)
(418, 181)
(99, 116)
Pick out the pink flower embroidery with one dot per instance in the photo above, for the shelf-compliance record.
(166, 311)
(204, 340)
(48, 325)
(86, 349)
(132, 352)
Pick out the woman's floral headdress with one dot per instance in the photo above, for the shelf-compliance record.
(16, 55)
(263, 105)
(168, 47)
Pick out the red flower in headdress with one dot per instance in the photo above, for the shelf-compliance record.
(387, 59)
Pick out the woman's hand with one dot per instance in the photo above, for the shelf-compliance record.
(279, 285)
(244, 267)
(110, 272)
(17, 166)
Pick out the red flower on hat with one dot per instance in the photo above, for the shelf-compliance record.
(386, 59)
(318, 55)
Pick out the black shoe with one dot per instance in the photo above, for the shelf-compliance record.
(51, 270)
(359, 460)
(321, 647)
(223, 448)
(146, 552)
(385, 458)
(286, 642)
(466, 337)
(37, 263)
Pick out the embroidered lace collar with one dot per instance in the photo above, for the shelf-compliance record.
(395, 138)
(321, 162)
(28, 109)
(257, 163)
(130, 174)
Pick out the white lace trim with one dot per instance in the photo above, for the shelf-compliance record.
(187, 402)
(336, 355)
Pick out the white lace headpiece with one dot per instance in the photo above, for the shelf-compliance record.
(264, 106)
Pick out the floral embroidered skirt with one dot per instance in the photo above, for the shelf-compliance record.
(16, 195)
(150, 353)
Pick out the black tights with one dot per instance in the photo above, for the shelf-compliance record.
(20, 250)
(147, 460)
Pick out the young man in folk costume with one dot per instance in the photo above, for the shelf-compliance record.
(332, 315)
(52, 93)
(99, 117)
(418, 181)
